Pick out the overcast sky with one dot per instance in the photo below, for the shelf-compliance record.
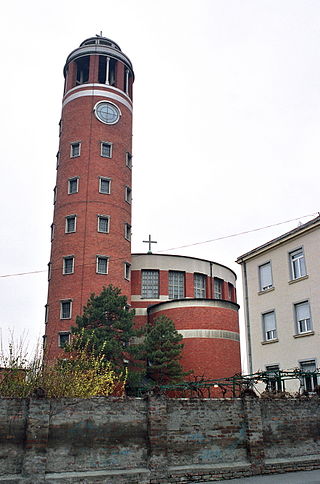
(225, 136)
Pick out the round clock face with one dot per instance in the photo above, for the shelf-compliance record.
(107, 113)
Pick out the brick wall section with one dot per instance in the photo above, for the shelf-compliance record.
(155, 440)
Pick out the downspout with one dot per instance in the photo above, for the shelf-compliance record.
(247, 317)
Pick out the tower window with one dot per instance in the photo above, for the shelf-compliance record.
(127, 270)
(73, 185)
(104, 185)
(49, 271)
(102, 264)
(75, 149)
(46, 314)
(107, 70)
(52, 231)
(65, 309)
(128, 159)
(103, 223)
(70, 224)
(150, 284)
(199, 281)
(82, 69)
(176, 284)
(68, 264)
(106, 149)
(127, 231)
(54, 195)
(64, 339)
(218, 285)
(128, 194)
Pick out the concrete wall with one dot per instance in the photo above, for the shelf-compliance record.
(154, 440)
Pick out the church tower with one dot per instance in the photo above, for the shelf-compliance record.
(91, 230)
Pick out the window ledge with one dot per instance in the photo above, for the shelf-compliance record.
(275, 340)
(266, 290)
(302, 335)
(298, 279)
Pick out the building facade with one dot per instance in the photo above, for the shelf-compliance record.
(91, 230)
(281, 281)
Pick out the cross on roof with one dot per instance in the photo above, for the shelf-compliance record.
(149, 242)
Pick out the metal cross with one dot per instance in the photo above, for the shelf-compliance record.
(149, 242)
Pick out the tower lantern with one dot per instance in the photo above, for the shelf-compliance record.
(91, 230)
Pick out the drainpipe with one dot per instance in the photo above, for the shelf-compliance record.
(247, 316)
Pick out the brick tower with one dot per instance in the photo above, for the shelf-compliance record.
(91, 230)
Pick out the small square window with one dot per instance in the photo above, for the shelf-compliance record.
(218, 288)
(127, 231)
(128, 159)
(104, 185)
(64, 339)
(302, 316)
(102, 264)
(269, 326)
(297, 262)
(73, 185)
(103, 224)
(68, 264)
(75, 149)
(127, 270)
(70, 224)
(106, 149)
(128, 194)
(65, 309)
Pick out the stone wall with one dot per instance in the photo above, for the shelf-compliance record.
(155, 440)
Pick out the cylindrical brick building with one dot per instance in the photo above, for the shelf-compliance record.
(91, 230)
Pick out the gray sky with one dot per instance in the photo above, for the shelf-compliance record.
(226, 127)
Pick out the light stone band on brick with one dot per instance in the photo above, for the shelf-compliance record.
(97, 92)
(209, 333)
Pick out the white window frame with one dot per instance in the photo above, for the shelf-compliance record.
(70, 217)
(269, 334)
(105, 143)
(63, 333)
(102, 257)
(70, 180)
(265, 280)
(127, 271)
(200, 285)
(129, 159)
(297, 264)
(313, 380)
(128, 194)
(104, 179)
(73, 146)
(65, 258)
(176, 285)
(303, 325)
(273, 383)
(62, 302)
(127, 231)
(103, 217)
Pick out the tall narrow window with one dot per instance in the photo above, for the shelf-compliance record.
(128, 159)
(127, 231)
(298, 267)
(150, 284)
(75, 149)
(103, 223)
(104, 185)
(265, 276)
(309, 379)
(65, 309)
(70, 224)
(302, 315)
(46, 315)
(54, 195)
(68, 264)
(176, 284)
(52, 231)
(269, 326)
(83, 64)
(230, 291)
(73, 185)
(218, 286)
(102, 264)
(49, 271)
(128, 194)
(199, 285)
(106, 149)
(127, 270)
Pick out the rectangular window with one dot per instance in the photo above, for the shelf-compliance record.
(102, 264)
(127, 231)
(46, 314)
(128, 194)
(297, 262)
(49, 271)
(106, 149)
(70, 224)
(103, 224)
(199, 281)
(68, 264)
(274, 383)
(58, 159)
(104, 185)
(65, 309)
(176, 284)
(75, 149)
(128, 159)
(64, 339)
(127, 270)
(309, 379)
(150, 284)
(303, 319)
(54, 195)
(265, 276)
(230, 291)
(218, 285)
(52, 231)
(269, 326)
(73, 185)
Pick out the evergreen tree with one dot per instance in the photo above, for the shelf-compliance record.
(105, 327)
